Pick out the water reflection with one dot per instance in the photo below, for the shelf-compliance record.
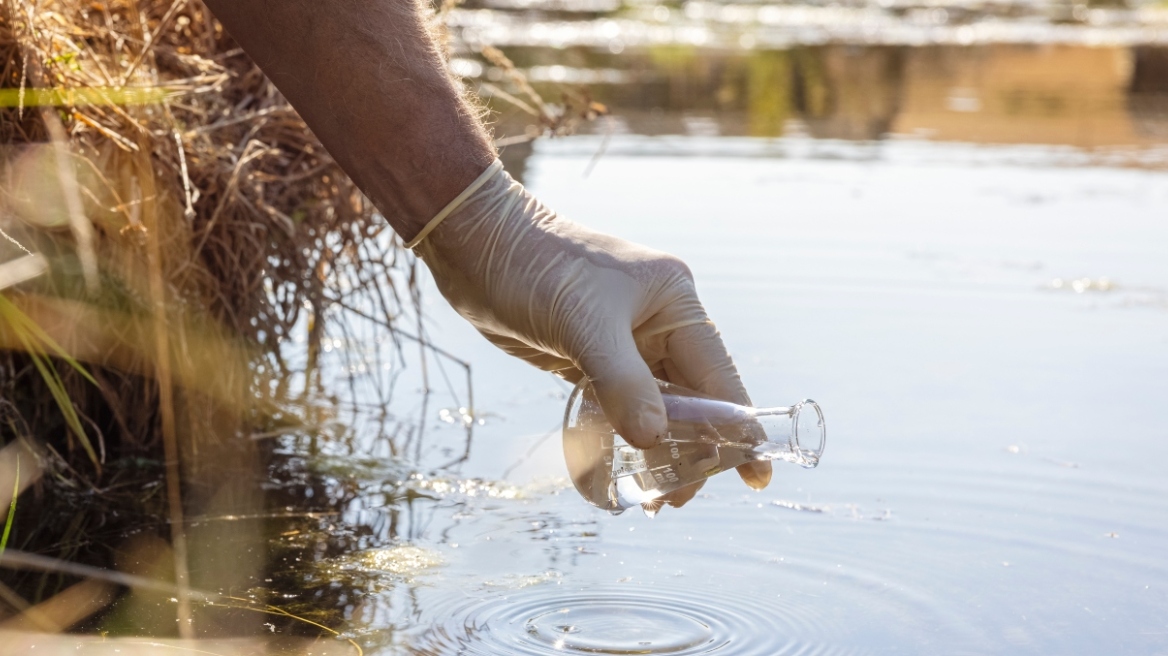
(1005, 526)
(1085, 97)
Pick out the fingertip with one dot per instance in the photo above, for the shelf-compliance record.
(683, 495)
(647, 427)
(756, 475)
(629, 395)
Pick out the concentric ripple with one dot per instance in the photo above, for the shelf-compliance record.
(549, 620)
(597, 626)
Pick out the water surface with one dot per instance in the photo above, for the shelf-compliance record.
(947, 228)
(985, 328)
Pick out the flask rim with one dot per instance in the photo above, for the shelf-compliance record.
(796, 441)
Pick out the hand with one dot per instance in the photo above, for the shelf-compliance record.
(580, 303)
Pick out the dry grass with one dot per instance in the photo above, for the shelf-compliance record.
(189, 219)
(177, 251)
(171, 223)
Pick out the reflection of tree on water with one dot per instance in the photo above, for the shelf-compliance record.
(999, 93)
(275, 525)
(1148, 91)
(848, 92)
(838, 91)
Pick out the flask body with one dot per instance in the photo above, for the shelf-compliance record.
(706, 436)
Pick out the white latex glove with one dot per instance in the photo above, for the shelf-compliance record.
(580, 303)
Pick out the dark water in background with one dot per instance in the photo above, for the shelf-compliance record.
(955, 241)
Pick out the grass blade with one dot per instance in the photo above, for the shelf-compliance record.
(34, 340)
(11, 509)
(21, 322)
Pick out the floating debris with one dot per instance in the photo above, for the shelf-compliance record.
(403, 560)
(380, 567)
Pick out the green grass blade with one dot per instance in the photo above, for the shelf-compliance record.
(11, 509)
(32, 337)
(57, 389)
(21, 321)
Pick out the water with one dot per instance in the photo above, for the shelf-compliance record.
(619, 620)
(960, 251)
(994, 482)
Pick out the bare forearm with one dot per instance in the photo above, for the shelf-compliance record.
(369, 81)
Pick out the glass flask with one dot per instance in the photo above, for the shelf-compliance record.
(706, 436)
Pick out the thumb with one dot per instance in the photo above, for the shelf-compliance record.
(627, 392)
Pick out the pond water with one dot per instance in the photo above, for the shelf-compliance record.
(955, 241)
(987, 331)
(944, 221)
(959, 249)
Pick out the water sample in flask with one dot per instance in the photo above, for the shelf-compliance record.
(706, 436)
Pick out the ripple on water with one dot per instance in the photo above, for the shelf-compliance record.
(551, 620)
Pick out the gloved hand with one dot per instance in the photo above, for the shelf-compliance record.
(580, 303)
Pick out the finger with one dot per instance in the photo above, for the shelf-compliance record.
(672, 375)
(626, 390)
(702, 360)
(706, 455)
(682, 495)
(700, 357)
(756, 475)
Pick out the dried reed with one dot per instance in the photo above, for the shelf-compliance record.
(168, 226)
(186, 223)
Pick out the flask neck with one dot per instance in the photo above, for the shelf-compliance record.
(795, 433)
(778, 411)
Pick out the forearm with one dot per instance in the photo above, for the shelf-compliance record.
(368, 79)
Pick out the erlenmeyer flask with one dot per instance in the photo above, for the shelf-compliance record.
(706, 436)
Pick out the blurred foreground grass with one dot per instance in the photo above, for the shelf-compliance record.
(168, 225)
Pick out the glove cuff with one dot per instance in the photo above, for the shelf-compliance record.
(492, 170)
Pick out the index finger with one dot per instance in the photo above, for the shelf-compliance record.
(700, 356)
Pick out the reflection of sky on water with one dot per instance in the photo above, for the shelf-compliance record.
(985, 329)
(959, 251)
